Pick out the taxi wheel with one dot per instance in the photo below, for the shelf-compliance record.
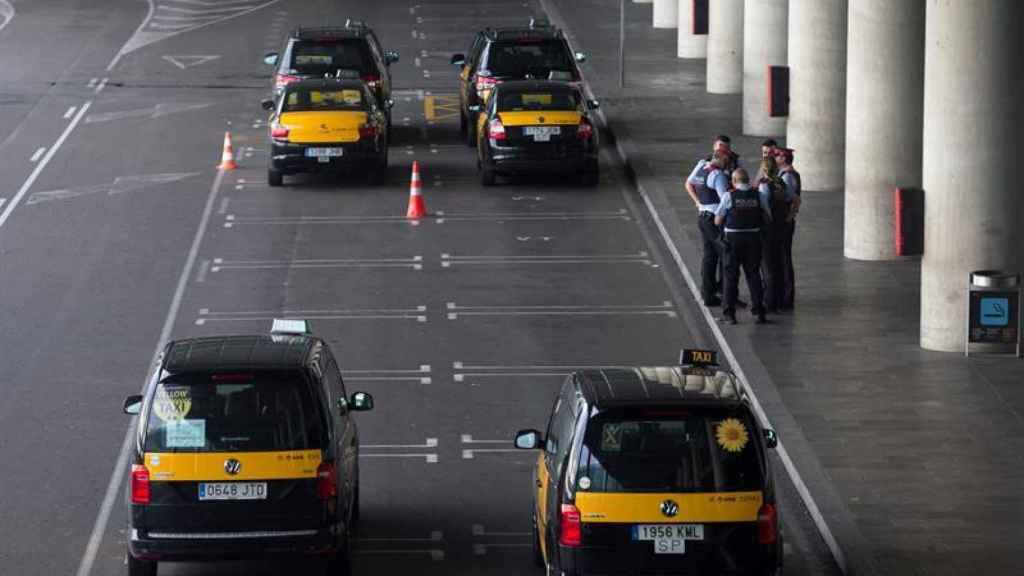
(463, 125)
(275, 178)
(138, 567)
(470, 133)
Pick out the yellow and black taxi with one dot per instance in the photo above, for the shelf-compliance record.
(315, 52)
(246, 447)
(654, 471)
(535, 51)
(534, 126)
(326, 124)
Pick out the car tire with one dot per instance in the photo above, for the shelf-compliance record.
(470, 133)
(275, 178)
(138, 567)
(463, 125)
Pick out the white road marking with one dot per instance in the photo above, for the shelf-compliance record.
(313, 220)
(99, 87)
(478, 530)
(429, 458)
(70, 112)
(224, 205)
(2, 201)
(119, 185)
(185, 61)
(92, 83)
(6, 13)
(421, 375)
(152, 113)
(38, 154)
(534, 216)
(435, 555)
(639, 258)
(413, 34)
(114, 486)
(415, 263)
(204, 267)
(666, 309)
(468, 439)
(417, 62)
(207, 316)
(429, 443)
(481, 549)
(41, 165)
(471, 454)
(435, 536)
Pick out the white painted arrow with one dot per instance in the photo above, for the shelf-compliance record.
(185, 61)
(119, 185)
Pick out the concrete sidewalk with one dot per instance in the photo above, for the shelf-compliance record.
(915, 458)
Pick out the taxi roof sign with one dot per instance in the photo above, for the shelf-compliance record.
(290, 326)
(697, 357)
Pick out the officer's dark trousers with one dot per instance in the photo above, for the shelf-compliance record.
(709, 261)
(788, 275)
(772, 241)
(744, 252)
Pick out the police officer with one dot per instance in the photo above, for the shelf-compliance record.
(780, 201)
(768, 148)
(791, 179)
(705, 185)
(743, 211)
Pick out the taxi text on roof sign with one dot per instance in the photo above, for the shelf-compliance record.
(695, 357)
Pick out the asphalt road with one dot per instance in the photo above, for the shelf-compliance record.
(120, 233)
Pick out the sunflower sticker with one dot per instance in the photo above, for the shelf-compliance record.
(731, 435)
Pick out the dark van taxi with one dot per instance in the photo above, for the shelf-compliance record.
(654, 471)
(245, 447)
(531, 126)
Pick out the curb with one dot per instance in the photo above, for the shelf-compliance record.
(851, 551)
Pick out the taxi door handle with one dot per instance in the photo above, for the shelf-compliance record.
(539, 483)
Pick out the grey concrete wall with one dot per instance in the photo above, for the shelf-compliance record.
(765, 27)
(725, 47)
(972, 156)
(817, 83)
(666, 13)
(884, 118)
(688, 45)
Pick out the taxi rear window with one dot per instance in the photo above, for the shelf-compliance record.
(537, 100)
(536, 58)
(675, 453)
(323, 57)
(234, 413)
(324, 99)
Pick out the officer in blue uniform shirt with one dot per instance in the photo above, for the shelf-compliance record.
(706, 185)
(791, 178)
(743, 211)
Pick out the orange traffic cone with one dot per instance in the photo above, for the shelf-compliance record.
(417, 209)
(227, 158)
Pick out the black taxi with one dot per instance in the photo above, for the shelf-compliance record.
(534, 126)
(327, 124)
(654, 471)
(245, 447)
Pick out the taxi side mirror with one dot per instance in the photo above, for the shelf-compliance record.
(361, 402)
(270, 59)
(391, 56)
(593, 104)
(389, 103)
(771, 439)
(528, 440)
(581, 56)
(133, 404)
(458, 59)
(267, 104)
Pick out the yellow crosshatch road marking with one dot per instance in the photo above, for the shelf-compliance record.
(441, 106)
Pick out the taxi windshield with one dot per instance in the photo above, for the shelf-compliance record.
(233, 413)
(670, 453)
(537, 100)
(323, 99)
(537, 59)
(322, 57)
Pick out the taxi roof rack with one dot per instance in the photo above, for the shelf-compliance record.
(290, 327)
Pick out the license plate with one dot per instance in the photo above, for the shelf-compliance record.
(542, 133)
(668, 538)
(232, 490)
(324, 152)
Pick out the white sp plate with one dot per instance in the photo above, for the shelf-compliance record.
(542, 133)
(324, 152)
(668, 538)
(232, 491)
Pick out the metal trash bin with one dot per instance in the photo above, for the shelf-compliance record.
(993, 313)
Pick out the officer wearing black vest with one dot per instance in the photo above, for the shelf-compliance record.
(791, 179)
(705, 186)
(743, 211)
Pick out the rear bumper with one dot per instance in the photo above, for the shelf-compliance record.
(292, 159)
(170, 547)
(633, 560)
(525, 161)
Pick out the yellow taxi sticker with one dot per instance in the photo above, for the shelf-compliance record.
(171, 403)
(731, 435)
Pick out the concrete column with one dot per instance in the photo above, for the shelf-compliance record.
(972, 155)
(883, 119)
(725, 47)
(688, 44)
(642, 1)
(764, 44)
(666, 13)
(817, 85)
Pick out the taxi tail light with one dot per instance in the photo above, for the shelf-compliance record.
(326, 481)
(496, 130)
(585, 130)
(767, 524)
(372, 80)
(571, 533)
(278, 132)
(140, 484)
(283, 80)
(485, 83)
(367, 131)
